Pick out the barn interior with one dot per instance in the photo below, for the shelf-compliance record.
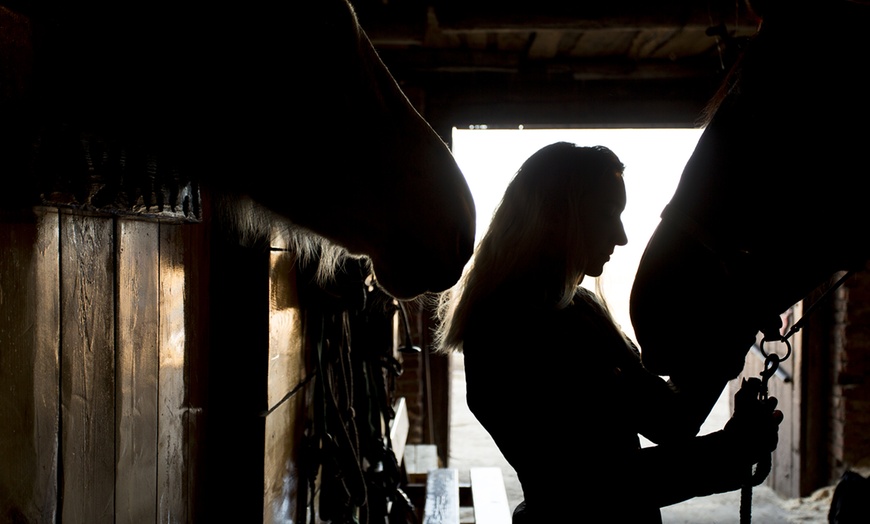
(462, 63)
(559, 64)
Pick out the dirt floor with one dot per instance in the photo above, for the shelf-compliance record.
(472, 446)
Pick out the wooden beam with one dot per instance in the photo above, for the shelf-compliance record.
(399, 427)
(489, 496)
(442, 497)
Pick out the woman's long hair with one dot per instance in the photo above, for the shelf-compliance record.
(535, 241)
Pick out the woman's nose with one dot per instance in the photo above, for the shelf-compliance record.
(621, 238)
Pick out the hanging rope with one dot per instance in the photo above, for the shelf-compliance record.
(762, 469)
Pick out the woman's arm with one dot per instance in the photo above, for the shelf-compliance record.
(718, 462)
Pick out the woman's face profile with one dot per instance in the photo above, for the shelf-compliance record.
(602, 223)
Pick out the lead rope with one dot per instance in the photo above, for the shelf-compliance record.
(762, 469)
(771, 363)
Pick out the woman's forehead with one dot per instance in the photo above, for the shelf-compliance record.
(611, 188)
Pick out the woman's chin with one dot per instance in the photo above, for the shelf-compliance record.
(595, 271)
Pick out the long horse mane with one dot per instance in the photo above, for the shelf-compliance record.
(255, 225)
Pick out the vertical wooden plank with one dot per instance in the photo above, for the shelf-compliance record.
(285, 371)
(286, 365)
(171, 453)
(442, 497)
(438, 369)
(46, 369)
(489, 495)
(136, 371)
(29, 327)
(784, 477)
(786, 472)
(282, 475)
(816, 370)
(399, 428)
(197, 324)
(87, 368)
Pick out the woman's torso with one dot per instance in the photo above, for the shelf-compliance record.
(550, 387)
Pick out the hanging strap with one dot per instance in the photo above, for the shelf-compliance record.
(345, 490)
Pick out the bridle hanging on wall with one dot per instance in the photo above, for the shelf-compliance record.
(350, 333)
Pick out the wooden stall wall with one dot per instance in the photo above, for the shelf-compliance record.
(155, 371)
(95, 348)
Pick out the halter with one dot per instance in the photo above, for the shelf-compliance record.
(728, 255)
(687, 224)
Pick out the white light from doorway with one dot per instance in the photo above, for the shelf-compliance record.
(654, 159)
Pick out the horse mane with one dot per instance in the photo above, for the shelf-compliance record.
(254, 225)
(730, 84)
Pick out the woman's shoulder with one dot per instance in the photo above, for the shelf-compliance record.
(586, 307)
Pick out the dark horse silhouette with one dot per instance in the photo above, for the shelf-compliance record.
(768, 207)
(288, 107)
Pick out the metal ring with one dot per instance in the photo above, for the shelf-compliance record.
(787, 345)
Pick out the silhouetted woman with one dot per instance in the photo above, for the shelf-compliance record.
(553, 378)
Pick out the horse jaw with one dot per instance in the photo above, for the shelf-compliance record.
(418, 275)
(434, 227)
(693, 313)
(685, 316)
(419, 229)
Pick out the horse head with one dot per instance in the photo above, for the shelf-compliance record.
(768, 206)
(386, 184)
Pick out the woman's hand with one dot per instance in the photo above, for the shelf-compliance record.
(754, 425)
